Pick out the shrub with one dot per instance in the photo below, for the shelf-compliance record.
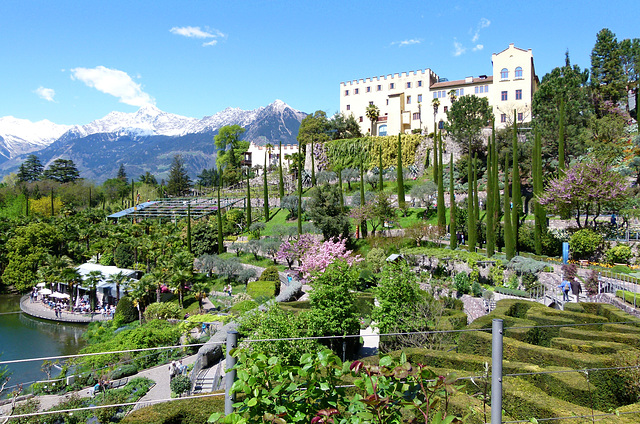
(461, 283)
(522, 265)
(511, 292)
(257, 289)
(270, 274)
(496, 273)
(476, 289)
(244, 306)
(180, 384)
(123, 371)
(530, 281)
(620, 254)
(123, 256)
(125, 312)
(376, 258)
(162, 310)
(584, 243)
(106, 259)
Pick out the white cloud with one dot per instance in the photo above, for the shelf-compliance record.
(45, 93)
(406, 42)
(197, 32)
(458, 49)
(478, 47)
(484, 23)
(114, 82)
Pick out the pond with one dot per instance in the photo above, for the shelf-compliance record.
(22, 337)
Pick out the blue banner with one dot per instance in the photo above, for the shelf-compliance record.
(565, 252)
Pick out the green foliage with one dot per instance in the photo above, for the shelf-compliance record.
(188, 411)
(465, 119)
(511, 291)
(496, 274)
(619, 253)
(244, 306)
(328, 217)
(204, 238)
(376, 259)
(629, 297)
(123, 256)
(260, 289)
(584, 243)
(106, 259)
(125, 312)
(388, 392)
(163, 311)
(270, 274)
(349, 152)
(180, 384)
(523, 265)
(179, 181)
(275, 323)
(551, 245)
(461, 283)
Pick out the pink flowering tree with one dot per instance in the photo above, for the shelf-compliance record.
(583, 190)
(314, 255)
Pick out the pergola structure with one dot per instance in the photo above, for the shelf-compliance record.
(178, 208)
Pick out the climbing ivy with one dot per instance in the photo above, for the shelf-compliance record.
(348, 153)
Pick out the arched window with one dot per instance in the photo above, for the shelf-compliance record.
(504, 74)
(518, 73)
(382, 130)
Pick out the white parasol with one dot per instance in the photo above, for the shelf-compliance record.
(41, 284)
(45, 291)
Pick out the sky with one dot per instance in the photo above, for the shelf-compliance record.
(72, 62)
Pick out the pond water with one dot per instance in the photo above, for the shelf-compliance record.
(22, 337)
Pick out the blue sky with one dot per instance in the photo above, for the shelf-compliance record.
(75, 61)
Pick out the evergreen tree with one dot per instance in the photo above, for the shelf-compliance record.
(62, 171)
(122, 174)
(381, 180)
(561, 161)
(442, 217)
(607, 76)
(179, 182)
(219, 218)
(471, 215)
(516, 192)
(363, 224)
(339, 172)
(248, 207)
(30, 170)
(401, 200)
(509, 248)
(280, 177)
(491, 188)
(435, 157)
(538, 210)
(476, 202)
(189, 226)
(453, 240)
(313, 164)
(266, 192)
(299, 193)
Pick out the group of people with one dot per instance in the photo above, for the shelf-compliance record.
(573, 286)
(102, 385)
(176, 369)
(228, 289)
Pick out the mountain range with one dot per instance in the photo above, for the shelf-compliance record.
(146, 140)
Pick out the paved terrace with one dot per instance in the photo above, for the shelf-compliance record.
(40, 310)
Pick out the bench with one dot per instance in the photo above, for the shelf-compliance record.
(119, 383)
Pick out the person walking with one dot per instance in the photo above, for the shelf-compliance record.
(565, 286)
(576, 289)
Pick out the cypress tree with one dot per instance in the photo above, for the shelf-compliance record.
(26, 198)
(52, 211)
(435, 157)
(516, 193)
(442, 213)
(471, 215)
(280, 177)
(220, 239)
(266, 191)
(381, 180)
(299, 193)
(538, 209)
(401, 201)
(491, 188)
(561, 161)
(189, 227)
(508, 231)
(341, 191)
(476, 202)
(453, 240)
(249, 218)
(363, 224)
(313, 166)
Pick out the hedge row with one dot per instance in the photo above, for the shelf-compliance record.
(587, 346)
(583, 334)
(257, 289)
(628, 296)
(188, 411)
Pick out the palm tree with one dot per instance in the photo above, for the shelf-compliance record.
(372, 113)
(93, 278)
(199, 288)
(121, 279)
(140, 291)
(452, 95)
(72, 278)
(436, 105)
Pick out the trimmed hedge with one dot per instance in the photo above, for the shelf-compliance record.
(257, 289)
(628, 296)
(582, 334)
(296, 307)
(188, 411)
(587, 346)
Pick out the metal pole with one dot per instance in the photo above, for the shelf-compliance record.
(496, 371)
(230, 398)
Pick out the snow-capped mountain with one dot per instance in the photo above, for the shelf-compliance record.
(147, 140)
(20, 136)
